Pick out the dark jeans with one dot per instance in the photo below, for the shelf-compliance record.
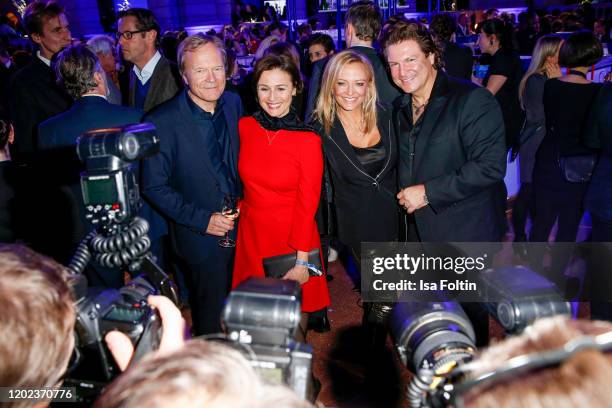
(566, 209)
(523, 206)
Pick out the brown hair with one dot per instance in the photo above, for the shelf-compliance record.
(37, 319)
(200, 374)
(582, 380)
(37, 12)
(286, 64)
(402, 31)
(325, 111)
(365, 18)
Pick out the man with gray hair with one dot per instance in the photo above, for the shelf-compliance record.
(79, 72)
(195, 170)
(104, 47)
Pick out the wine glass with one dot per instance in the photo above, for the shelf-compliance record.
(230, 211)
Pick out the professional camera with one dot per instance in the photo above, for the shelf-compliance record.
(522, 297)
(432, 339)
(261, 318)
(119, 240)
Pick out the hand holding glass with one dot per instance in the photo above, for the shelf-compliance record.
(231, 211)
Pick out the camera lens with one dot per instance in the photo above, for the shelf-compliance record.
(431, 333)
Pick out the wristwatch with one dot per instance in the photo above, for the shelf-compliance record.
(425, 199)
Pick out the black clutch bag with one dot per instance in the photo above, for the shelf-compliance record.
(277, 266)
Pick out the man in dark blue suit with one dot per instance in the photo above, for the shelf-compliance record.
(80, 73)
(193, 172)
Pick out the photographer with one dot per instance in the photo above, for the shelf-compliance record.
(582, 379)
(200, 374)
(38, 318)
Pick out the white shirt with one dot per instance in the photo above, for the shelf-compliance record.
(43, 59)
(147, 71)
(92, 94)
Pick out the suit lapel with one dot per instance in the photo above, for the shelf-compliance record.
(340, 139)
(231, 118)
(156, 82)
(433, 111)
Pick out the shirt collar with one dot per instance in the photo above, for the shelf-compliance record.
(147, 71)
(95, 95)
(201, 113)
(43, 59)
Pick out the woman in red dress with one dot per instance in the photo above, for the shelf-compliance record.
(281, 167)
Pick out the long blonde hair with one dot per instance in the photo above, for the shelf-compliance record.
(326, 108)
(547, 46)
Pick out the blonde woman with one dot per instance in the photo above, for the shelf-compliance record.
(361, 151)
(544, 65)
(360, 147)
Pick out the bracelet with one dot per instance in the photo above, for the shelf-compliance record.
(309, 266)
(425, 199)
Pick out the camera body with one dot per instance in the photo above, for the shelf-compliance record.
(110, 187)
(261, 318)
(112, 202)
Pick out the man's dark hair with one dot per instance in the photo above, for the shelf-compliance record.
(5, 130)
(405, 31)
(75, 67)
(145, 20)
(365, 18)
(442, 26)
(580, 49)
(37, 12)
(324, 39)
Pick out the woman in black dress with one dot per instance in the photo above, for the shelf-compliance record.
(504, 74)
(544, 65)
(567, 103)
(360, 147)
(361, 152)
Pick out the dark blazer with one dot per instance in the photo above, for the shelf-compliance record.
(57, 140)
(457, 60)
(460, 157)
(166, 82)
(180, 180)
(366, 208)
(5, 76)
(34, 97)
(386, 90)
(599, 135)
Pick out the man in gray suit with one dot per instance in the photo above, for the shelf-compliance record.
(153, 79)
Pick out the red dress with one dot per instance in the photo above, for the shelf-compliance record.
(281, 174)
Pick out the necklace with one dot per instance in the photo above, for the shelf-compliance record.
(418, 109)
(360, 133)
(274, 134)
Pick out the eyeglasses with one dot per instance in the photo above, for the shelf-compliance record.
(127, 35)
